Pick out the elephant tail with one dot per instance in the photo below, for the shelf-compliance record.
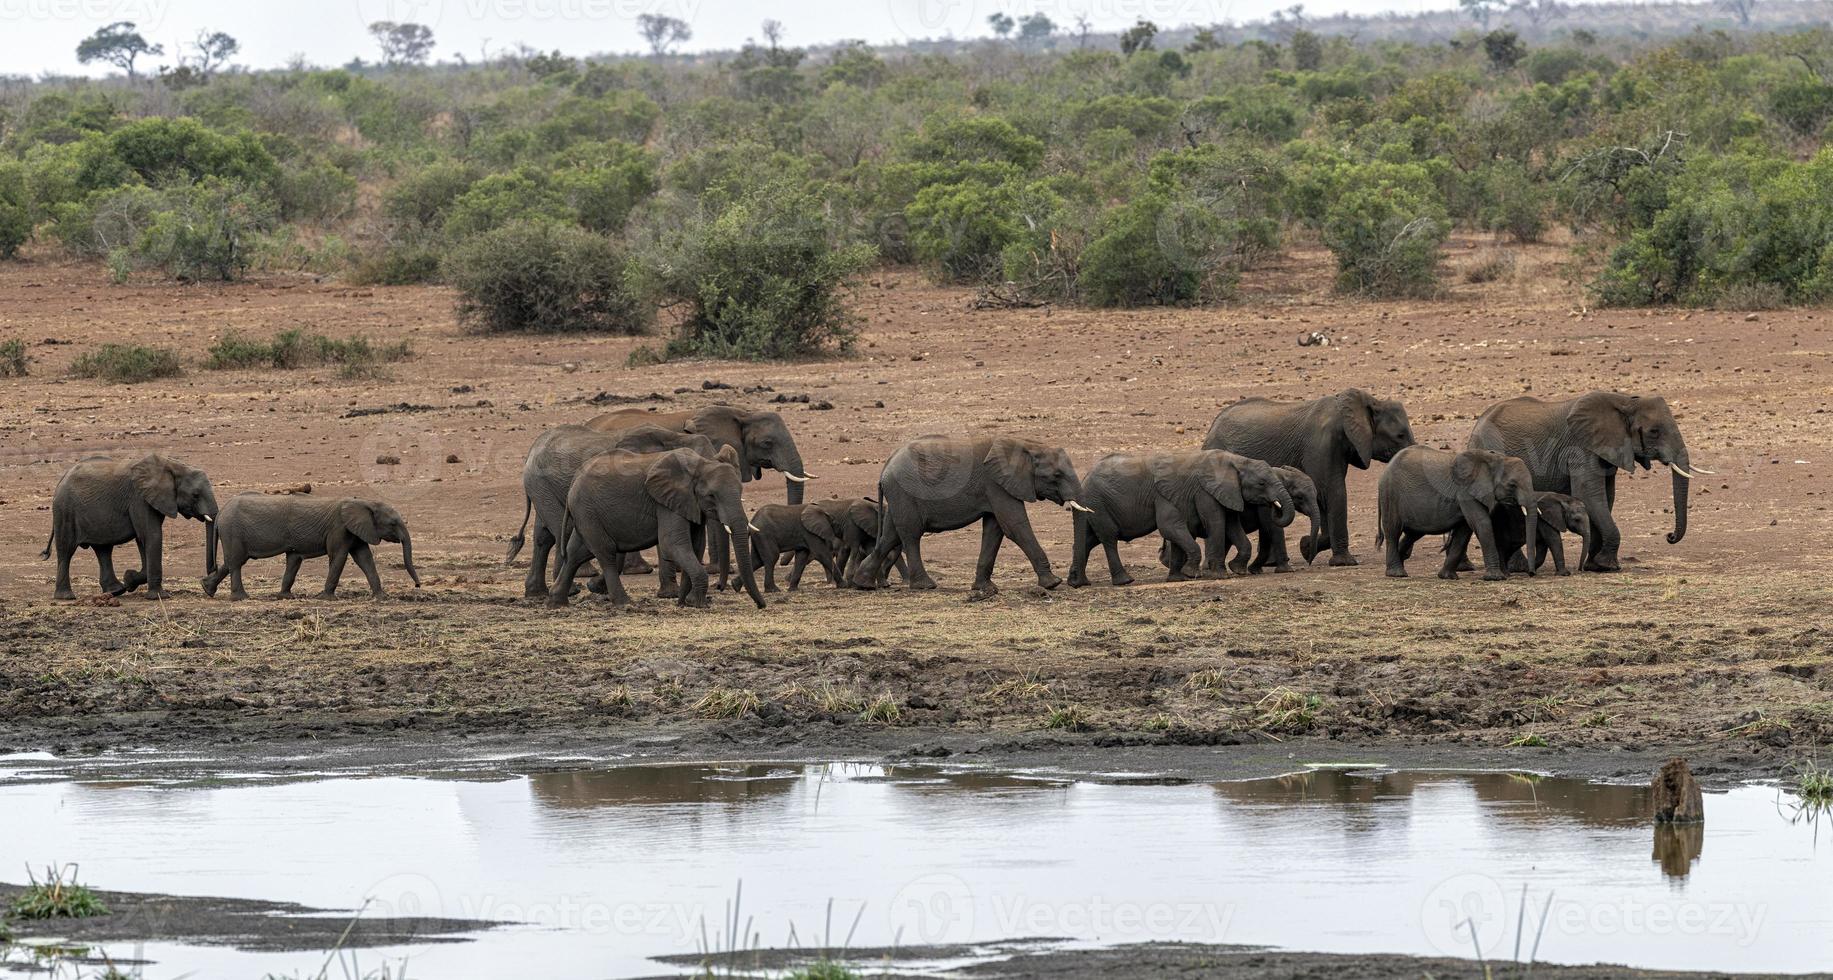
(48, 542)
(521, 538)
(566, 528)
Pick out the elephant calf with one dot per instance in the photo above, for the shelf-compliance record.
(1434, 491)
(1130, 495)
(259, 525)
(100, 503)
(1272, 534)
(858, 521)
(1557, 513)
(803, 530)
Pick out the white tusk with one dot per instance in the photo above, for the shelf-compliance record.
(1703, 470)
(754, 529)
(804, 478)
(728, 527)
(207, 519)
(1076, 505)
(1676, 467)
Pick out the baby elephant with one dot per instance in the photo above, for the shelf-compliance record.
(259, 525)
(1558, 513)
(803, 530)
(1434, 491)
(1178, 495)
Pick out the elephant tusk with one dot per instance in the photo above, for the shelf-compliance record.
(1676, 467)
(728, 527)
(804, 478)
(1706, 472)
(754, 529)
(207, 519)
(1077, 506)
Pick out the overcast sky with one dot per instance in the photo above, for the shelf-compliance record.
(41, 35)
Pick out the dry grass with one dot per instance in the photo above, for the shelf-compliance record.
(727, 702)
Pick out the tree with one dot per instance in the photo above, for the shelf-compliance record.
(1539, 12)
(1138, 37)
(403, 43)
(118, 44)
(1480, 10)
(1083, 27)
(1205, 40)
(214, 49)
(1740, 9)
(1307, 50)
(663, 32)
(773, 32)
(1035, 28)
(1504, 49)
(1001, 23)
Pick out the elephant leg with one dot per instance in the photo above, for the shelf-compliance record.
(1410, 538)
(824, 556)
(365, 560)
(153, 550)
(1512, 536)
(1172, 527)
(1456, 548)
(1477, 516)
(1333, 497)
(766, 555)
(1393, 534)
(676, 540)
(337, 555)
(105, 565)
(293, 561)
(798, 564)
(66, 550)
(1012, 520)
(1078, 555)
(1237, 539)
(534, 584)
(1549, 541)
(636, 564)
(568, 561)
(910, 539)
(990, 538)
(1596, 490)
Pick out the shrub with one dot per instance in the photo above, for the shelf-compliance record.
(1158, 250)
(542, 275)
(158, 151)
(58, 896)
(963, 229)
(1510, 200)
(758, 270)
(1385, 227)
(1803, 106)
(207, 231)
(499, 199)
(316, 192)
(296, 348)
(418, 204)
(398, 264)
(15, 209)
(127, 363)
(12, 358)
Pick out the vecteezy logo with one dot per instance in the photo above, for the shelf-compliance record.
(936, 908)
(1460, 904)
(427, 12)
(917, 20)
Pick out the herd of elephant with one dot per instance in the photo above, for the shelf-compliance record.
(625, 481)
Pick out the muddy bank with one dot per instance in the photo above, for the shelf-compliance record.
(1037, 960)
(245, 924)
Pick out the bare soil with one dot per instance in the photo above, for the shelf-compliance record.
(1723, 639)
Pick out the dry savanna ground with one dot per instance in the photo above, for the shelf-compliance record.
(1724, 636)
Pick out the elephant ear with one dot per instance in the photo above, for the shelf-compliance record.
(1476, 474)
(670, 481)
(1600, 423)
(1010, 462)
(816, 522)
(157, 483)
(359, 519)
(1222, 480)
(1358, 430)
(864, 514)
(720, 423)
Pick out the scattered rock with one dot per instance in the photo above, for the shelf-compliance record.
(1675, 795)
(714, 386)
(1314, 339)
(453, 458)
(357, 413)
(297, 488)
(388, 461)
(821, 406)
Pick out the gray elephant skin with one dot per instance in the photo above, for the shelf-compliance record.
(761, 439)
(300, 526)
(944, 483)
(555, 460)
(102, 502)
(1577, 447)
(1323, 437)
(1260, 521)
(1177, 495)
(802, 530)
(622, 502)
(1555, 514)
(1436, 491)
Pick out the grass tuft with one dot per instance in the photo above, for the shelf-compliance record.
(824, 970)
(727, 702)
(127, 364)
(1813, 784)
(1067, 718)
(58, 896)
(883, 709)
(1210, 681)
(356, 357)
(12, 358)
(1529, 741)
(1284, 709)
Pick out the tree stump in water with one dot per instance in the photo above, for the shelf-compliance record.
(1675, 796)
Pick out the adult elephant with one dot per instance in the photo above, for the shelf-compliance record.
(761, 439)
(1435, 491)
(1577, 446)
(622, 502)
(555, 460)
(1323, 437)
(101, 502)
(943, 483)
(1131, 495)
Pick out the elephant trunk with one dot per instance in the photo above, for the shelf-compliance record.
(791, 465)
(1317, 528)
(1530, 530)
(407, 556)
(741, 549)
(1680, 465)
(1287, 512)
(210, 548)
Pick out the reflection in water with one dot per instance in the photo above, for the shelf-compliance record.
(1677, 846)
(639, 785)
(1540, 798)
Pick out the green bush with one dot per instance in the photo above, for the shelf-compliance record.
(498, 199)
(534, 275)
(12, 358)
(160, 151)
(1385, 227)
(1804, 107)
(758, 271)
(297, 348)
(206, 232)
(1158, 250)
(15, 209)
(398, 264)
(1509, 200)
(316, 192)
(417, 205)
(127, 363)
(963, 229)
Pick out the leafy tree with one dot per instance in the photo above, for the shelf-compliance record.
(1138, 37)
(118, 44)
(214, 49)
(1001, 23)
(662, 32)
(15, 208)
(1481, 10)
(1204, 40)
(1035, 28)
(402, 43)
(1504, 49)
(1307, 51)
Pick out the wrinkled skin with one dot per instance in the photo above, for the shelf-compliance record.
(803, 530)
(301, 526)
(943, 483)
(1577, 447)
(1260, 520)
(1131, 495)
(856, 520)
(555, 460)
(101, 502)
(1323, 437)
(1556, 514)
(622, 502)
(761, 439)
(1434, 491)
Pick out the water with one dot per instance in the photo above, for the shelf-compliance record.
(601, 870)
